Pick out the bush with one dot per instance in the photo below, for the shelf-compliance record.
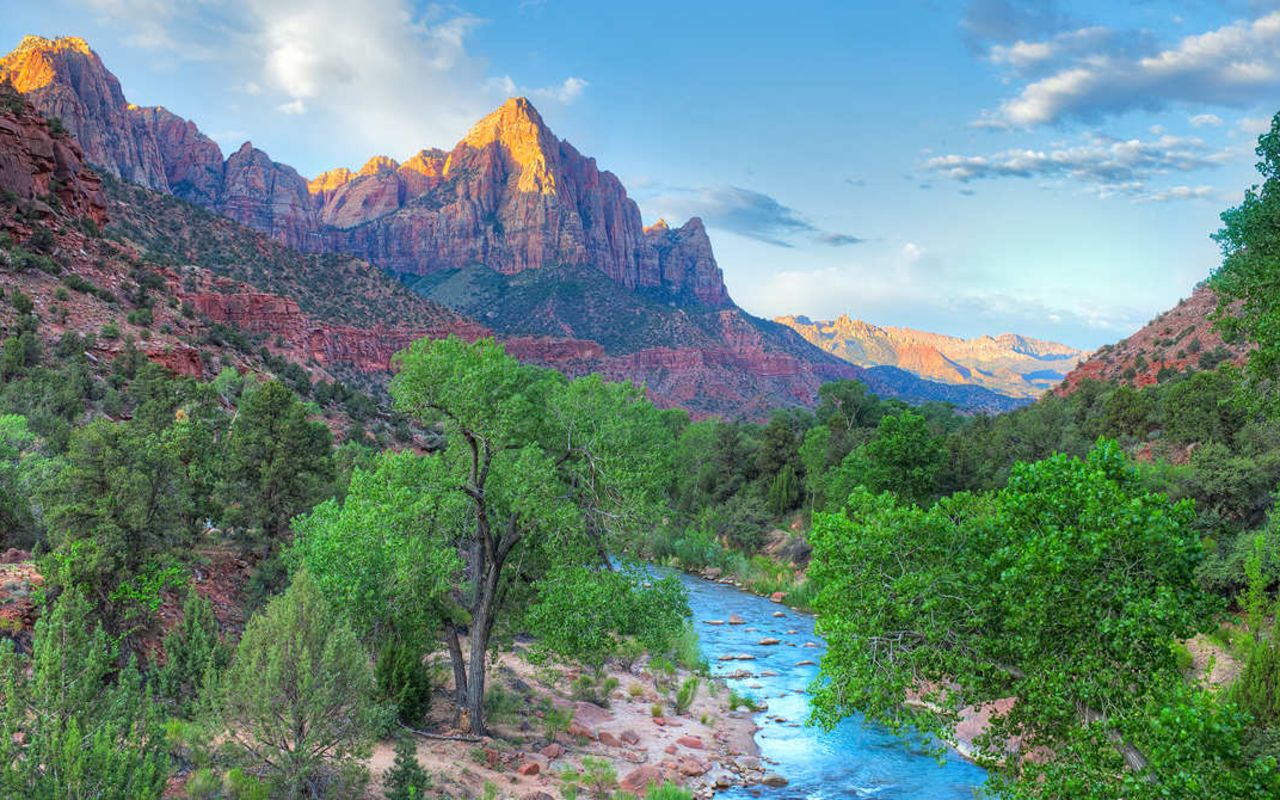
(555, 720)
(685, 696)
(299, 661)
(667, 791)
(204, 784)
(404, 681)
(194, 654)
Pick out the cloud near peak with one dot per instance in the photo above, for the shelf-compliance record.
(746, 212)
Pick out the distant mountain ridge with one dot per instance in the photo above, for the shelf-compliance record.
(513, 228)
(1009, 364)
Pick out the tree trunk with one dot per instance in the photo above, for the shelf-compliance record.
(481, 625)
(459, 670)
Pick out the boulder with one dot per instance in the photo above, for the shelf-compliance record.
(637, 780)
(692, 742)
(529, 768)
(552, 751)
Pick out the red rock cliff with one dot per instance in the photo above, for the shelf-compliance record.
(37, 164)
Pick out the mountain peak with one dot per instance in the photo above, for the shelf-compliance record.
(379, 164)
(34, 43)
(34, 63)
(517, 129)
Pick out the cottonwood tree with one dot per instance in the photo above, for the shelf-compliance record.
(1065, 591)
(550, 470)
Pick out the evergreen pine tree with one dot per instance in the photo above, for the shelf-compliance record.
(407, 780)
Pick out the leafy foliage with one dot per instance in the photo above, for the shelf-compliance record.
(1065, 590)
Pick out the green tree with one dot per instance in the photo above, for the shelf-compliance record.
(406, 780)
(1250, 242)
(113, 509)
(194, 653)
(813, 455)
(279, 464)
(18, 461)
(72, 725)
(552, 471)
(784, 491)
(1065, 590)
(296, 702)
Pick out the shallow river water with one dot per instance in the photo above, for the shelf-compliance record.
(855, 760)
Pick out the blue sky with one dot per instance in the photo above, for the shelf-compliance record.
(1049, 168)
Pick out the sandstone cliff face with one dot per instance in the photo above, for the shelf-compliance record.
(192, 161)
(36, 164)
(65, 79)
(1009, 364)
(307, 339)
(509, 195)
(269, 197)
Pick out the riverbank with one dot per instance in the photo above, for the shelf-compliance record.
(546, 738)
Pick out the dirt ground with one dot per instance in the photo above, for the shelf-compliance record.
(707, 747)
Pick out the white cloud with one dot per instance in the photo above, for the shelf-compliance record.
(1235, 65)
(1205, 120)
(566, 92)
(1179, 193)
(389, 76)
(915, 288)
(1109, 166)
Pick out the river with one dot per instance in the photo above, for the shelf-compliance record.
(854, 760)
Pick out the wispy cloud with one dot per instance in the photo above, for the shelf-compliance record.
(1107, 165)
(747, 213)
(1205, 120)
(563, 93)
(1097, 72)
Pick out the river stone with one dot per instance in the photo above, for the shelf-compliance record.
(734, 619)
(773, 780)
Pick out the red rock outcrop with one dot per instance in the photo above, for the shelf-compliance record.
(308, 339)
(1009, 364)
(37, 164)
(1181, 338)
(509, 195)
(192, 161)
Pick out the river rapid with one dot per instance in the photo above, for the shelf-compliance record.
(853, 761)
